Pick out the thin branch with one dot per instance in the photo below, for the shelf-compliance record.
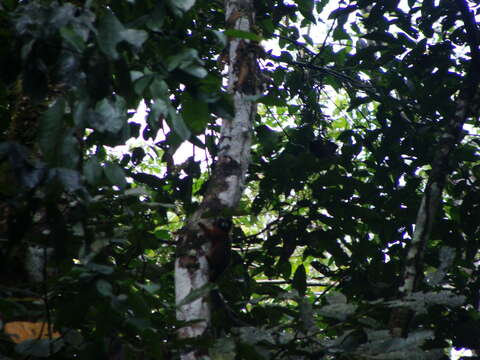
(322, 48)
(296, 43)
(278, 123)
(288, 282)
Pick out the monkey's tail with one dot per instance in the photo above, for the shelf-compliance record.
(219, 302)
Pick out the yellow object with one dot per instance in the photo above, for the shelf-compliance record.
(25, 330)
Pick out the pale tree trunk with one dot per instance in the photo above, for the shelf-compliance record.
(227, 181)
(467, 105)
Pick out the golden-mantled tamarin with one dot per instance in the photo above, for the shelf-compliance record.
(219, 236)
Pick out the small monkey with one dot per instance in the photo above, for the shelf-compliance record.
(219, 236)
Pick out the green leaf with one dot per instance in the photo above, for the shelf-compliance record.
(336, 297)
(267, 138)
(141, 83)
(195, 113)
(134, 37)
(339, 311)
(381, 36)
(159, 89)
(111, 115)
(340, 34)
(70, 179)
(243, 35)
(221, 37)
(180, 6)
(26, 49)
(124, 83)
(342, 16)
(148, 179)
(51, 129)
(306, 9)
(115, 175)
(109, 34)
(357, 101)
(139, 323)
(299, 281)
(162, 234)
(196, 294)
(135, 75)
(272, 100)
(73, 38)
(308, 39)
(341, 12)
(73, 337)
(189, 61)
(195, 70)
(151, 288)
(184, 58)
(178, 125)
(104, 288)
(9, 4)
(255, 335)
(158, 110)
(447, 256)
(138, 154)
(68, 155)
(92, 171)
(98, 268)
(42, 348)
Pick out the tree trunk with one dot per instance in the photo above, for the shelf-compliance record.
(227, 181)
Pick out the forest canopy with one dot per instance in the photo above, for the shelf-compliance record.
(239, 180)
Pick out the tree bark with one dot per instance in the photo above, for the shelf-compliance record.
(227, 181)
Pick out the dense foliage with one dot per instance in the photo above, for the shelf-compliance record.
(359, 94)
